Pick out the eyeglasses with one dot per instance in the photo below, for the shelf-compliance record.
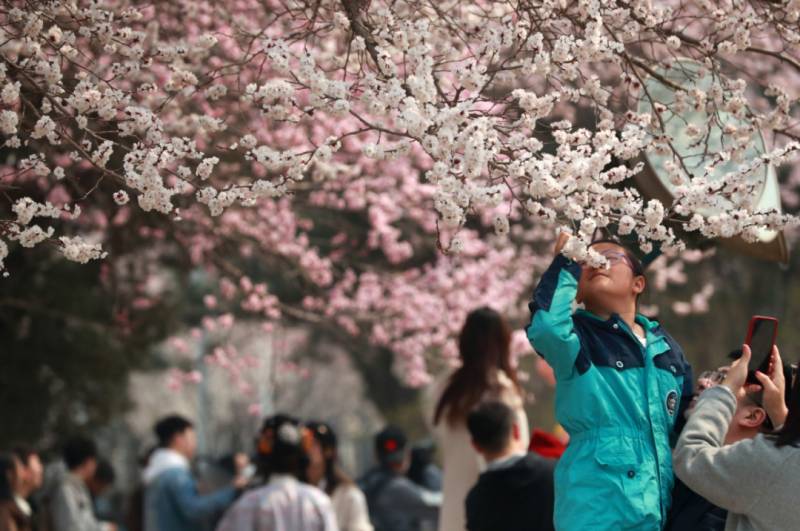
(616, 257)
(715, 377)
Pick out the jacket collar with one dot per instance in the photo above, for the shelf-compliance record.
(649, 325)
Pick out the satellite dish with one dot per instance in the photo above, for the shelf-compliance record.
(654, 181)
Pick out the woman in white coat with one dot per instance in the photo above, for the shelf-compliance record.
(324, 471)
(486, 373)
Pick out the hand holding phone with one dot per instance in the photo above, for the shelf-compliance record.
(774, 390)
(761, 335)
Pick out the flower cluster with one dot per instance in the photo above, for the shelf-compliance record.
(279, 129)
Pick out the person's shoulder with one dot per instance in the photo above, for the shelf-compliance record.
(316, 494)
(252, 497)
(174, 476)
(764, 447)
(538, 462)
(349, 491)
(542, 469)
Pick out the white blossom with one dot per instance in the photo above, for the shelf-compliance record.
(8, 122)
(78, 250)
(121, 197)
(10, 93)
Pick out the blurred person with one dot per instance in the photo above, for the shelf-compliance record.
(325, 471)
(70, 504)
(31, 481)
(12, 518)
(284, 503)
(622, 385)
(172, 501)
(486, 373)
(754, 479)
(395, 502)
(134, 514)
(103, 479)
(99, 486)
(706, 380)
(690, 511)
(515, 493)
(422, 470)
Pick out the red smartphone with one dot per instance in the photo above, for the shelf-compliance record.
(761, 335)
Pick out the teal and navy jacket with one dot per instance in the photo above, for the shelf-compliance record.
(619, 401)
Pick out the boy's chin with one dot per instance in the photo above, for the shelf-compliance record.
(600, 299)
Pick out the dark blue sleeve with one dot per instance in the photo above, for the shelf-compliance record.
(687, 393)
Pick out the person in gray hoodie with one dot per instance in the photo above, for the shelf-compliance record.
(172, 502)
(70, 503)
(756, 480)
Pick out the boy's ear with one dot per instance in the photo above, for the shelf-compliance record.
(639, 283)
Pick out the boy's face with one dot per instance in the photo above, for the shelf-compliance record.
(606, 288)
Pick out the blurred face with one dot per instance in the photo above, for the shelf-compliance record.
(185, 443)
(707, 380)
(605, 288)
(32, 475)
(316, 463)
(16, 477)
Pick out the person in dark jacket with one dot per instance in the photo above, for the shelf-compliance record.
(515, 493)
(395, 502)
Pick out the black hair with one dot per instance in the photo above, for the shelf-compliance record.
(77, 451)
(789, 434)
(422, 455)
(105, 474)
(168, 427)
(24, 454)
(490, 425)
(326, 437)
(8, 473)
(281, 447)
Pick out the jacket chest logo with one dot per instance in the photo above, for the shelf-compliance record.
(671, 402)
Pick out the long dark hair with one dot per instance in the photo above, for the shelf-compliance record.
(484, 346)
(8, 474)
(789, 434)
(326, 437)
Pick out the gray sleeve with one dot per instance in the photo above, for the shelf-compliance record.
(727, 476)
(414, 500)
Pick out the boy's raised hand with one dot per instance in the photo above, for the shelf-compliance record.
(737, 374)
(563, 238)
(774, 386)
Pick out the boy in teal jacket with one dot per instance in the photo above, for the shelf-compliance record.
(622, 384)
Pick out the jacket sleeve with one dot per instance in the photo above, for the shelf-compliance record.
(193, 505)
(727, 476)
(411, 499)
(551, 331)
(687, 394)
